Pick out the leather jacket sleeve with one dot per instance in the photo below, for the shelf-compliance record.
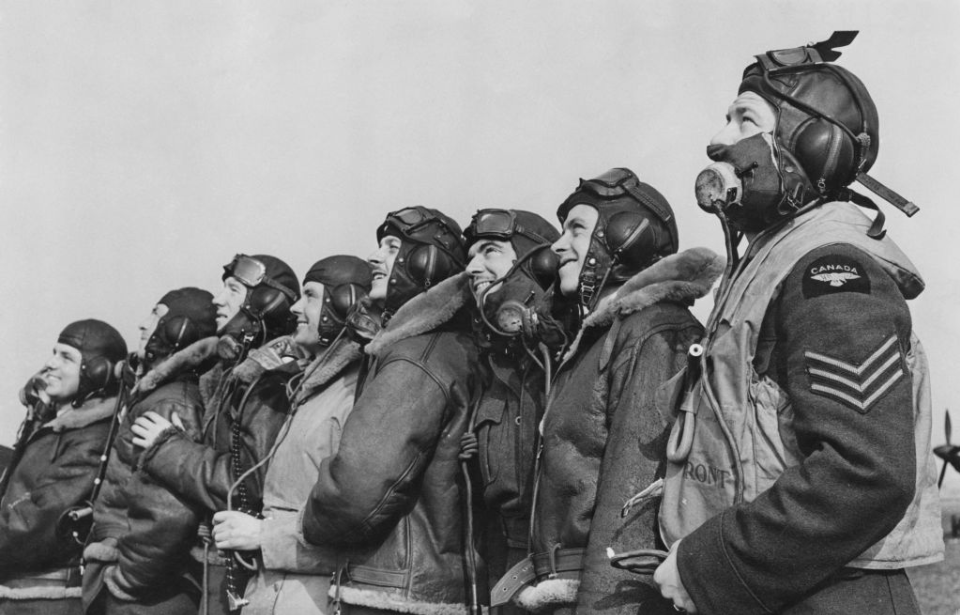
(644, 357)
(162, 525)
(857, 473)
(28, 523)
(204, 474)
(388, 441)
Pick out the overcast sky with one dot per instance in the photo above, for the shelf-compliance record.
(142, 144)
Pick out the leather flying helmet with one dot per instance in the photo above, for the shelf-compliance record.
(101, 348)
(531, 275)
(431, 251)
(272, 289)
(636, 227)
(346, 280)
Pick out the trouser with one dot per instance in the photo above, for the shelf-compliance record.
(177, 596)
(214, 599)
(856, 591)
(274, 592)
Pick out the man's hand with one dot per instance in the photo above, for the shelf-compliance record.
(235, 530)
(667, 578)
(147, 428)
(468, 446)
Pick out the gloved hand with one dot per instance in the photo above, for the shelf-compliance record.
(33, 391)
(363, 322)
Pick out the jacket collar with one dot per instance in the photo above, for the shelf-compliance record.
(425, 312)
(90, 411)
(275, 353)
(681, 277)
(327, 366)
(190, 358)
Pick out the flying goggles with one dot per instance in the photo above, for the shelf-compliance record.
(412, 223)
(251, 273)
(500, 224)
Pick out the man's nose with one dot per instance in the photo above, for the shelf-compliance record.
(727, 136)
(475, 266)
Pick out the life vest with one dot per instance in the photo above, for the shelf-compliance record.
(733, 437)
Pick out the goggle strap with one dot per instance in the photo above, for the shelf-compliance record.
(629, 241)
(283, 289)
(520, 230)
(664, 214)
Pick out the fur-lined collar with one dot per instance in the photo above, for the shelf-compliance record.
(275, 353)
(424, 312)
(190, 358)
(680, 277)
(90, 411)
(327, 366)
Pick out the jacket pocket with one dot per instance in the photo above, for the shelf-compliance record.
(493, 438)
(774, 443)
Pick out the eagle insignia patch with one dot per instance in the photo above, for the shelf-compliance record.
(836, 278)
(834, 274)
(860, 385)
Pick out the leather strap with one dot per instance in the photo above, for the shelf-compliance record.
(376, 576)
(512, 582)
(559, 563)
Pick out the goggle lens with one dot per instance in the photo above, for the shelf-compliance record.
(248, 270)
(411, 216)
(498, 223)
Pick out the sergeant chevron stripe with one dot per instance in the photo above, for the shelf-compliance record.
(857, 386)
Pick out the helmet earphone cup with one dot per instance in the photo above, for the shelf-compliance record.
(271, 308)
(826, 152)
(179, 332)
(343, 298)
(338, 304)
(631, 237)
(96, 374)
(427, 264)
(543, 266)
(265, 301)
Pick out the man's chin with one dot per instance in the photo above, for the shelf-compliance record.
(568, 288)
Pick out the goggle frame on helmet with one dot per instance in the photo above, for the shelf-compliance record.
(405, 222)
(500, 224)
(402, 220)
(251, 272)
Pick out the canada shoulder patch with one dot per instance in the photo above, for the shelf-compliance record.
(834, 274)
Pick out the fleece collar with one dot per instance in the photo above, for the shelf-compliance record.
(680, 277)
(423, 313)
(89, 412)
(190, 358)
(275, 353)
(327, 366)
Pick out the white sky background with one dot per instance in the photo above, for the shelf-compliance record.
(142, 144)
